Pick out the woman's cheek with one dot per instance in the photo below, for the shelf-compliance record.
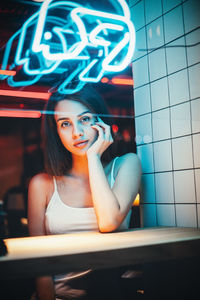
(93, 134)
(64, 140)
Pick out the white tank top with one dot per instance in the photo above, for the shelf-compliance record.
(61, 218)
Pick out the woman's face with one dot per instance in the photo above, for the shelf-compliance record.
(74, 122)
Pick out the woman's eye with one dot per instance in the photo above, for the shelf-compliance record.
(65, 124)
(85, 119)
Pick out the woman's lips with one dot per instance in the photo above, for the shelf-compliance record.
(81, 144)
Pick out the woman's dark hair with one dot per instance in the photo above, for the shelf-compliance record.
(58, 160)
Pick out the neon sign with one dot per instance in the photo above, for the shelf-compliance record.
(67, 40)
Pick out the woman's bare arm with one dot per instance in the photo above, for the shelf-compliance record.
(112, 205)
(37, 201)
(45, 288)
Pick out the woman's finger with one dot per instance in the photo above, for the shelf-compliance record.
(99, 129)
(106, 131)
(103, 125)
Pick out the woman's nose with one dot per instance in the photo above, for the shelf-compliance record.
(77, 131)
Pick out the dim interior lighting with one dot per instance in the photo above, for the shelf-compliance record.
(122, 81)
(24, 221)
(115, 128)
(118, 80)
(136, 202)
(104, 80)
(25, 94)
(140, 291)
(126, 135)
(7, 72)
(20, 113)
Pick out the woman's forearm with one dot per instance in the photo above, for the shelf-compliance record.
(106, 205)
(45, 288)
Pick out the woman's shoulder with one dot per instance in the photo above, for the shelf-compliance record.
(41, 180)
(128, 158)
(128, 162)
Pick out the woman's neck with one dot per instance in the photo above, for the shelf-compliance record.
(80, 166)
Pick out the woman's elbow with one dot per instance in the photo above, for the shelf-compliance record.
(111, 226)
(107, 229)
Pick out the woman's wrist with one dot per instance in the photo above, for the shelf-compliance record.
(93, 156)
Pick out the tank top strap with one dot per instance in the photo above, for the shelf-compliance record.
(112, 180)
(55, 184)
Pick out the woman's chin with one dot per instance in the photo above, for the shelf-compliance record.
(82, 153)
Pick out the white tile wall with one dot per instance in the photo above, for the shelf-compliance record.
(186, 215)
(137, 15)
(148, 215)
(184, 186)
(181, 119)
(193, 53)
(153, 9)
(140, 67)
(157, 64)
(141, 45)
(132, 2)
(197, 182)
(171, 162)
(143, 129)
(164, 187)
(145, 153)
(196, 150)
(159, 94)
(195, 109)
(161, 124)
(162, 156)
(169, 4)
(194, 79)
(191, 11)
(176, 55)
(178, 87)
(166, 215)
(173, 29)
(142, 100)
(147, 192)
(198, 214)
(182, 153)
(155, 37)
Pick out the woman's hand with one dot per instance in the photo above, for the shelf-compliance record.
(104, 139)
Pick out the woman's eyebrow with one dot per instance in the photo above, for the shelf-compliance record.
(85, 112)
(61, 119)
(67, 118)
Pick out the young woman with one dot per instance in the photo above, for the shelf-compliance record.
(81, 190)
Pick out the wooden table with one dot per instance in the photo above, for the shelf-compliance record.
(31, 256)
